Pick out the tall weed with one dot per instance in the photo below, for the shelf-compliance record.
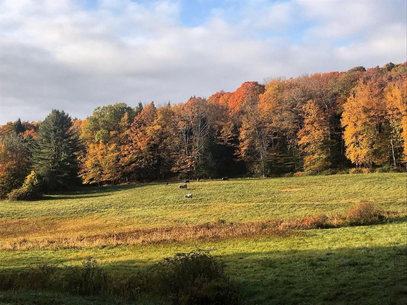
(194, 278)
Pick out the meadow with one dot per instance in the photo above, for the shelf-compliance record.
(129, 228)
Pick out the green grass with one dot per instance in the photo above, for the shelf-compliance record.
(152, 205)
(364, 264)
(27, 297)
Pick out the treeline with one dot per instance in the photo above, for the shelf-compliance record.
(313, 124)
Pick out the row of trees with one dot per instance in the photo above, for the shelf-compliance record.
(49, 150)
(309, 123)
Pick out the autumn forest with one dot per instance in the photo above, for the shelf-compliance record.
(312, 124)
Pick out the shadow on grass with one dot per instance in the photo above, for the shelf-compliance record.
(91, 191)
(30, 297)
(364, 275)
(396, 219)
(73, 196)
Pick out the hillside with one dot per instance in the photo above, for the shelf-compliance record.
(131, 227)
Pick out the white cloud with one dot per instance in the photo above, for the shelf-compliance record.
(276, 16)
(346, 18)
(386, 44)
(55, 54)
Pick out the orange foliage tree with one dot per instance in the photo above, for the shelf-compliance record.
(314, 138)
(396, 103)
(144, 141)
(363, 119)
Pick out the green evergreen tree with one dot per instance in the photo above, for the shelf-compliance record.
(55, 155)
(138, 109)
(18, 127)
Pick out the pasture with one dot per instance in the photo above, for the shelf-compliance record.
(128, 228)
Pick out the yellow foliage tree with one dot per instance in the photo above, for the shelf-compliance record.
(364, 124)
(314, 138)
(102, 164)
(396, 103)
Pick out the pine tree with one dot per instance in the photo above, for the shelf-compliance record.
(55, 157)
(18, 127)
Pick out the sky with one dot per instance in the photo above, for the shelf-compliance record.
(76, 55)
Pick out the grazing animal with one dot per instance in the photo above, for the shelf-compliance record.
(186, 181)
(225, 178)
(183, 186)
(188, 196)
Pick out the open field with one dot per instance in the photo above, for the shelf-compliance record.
(344, 265)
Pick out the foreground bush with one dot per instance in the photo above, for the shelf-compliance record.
(187, 278)
(30, 189)
(195, 278)
(90, 279)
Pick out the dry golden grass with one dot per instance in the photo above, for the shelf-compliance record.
(359, 215)
(208, 231)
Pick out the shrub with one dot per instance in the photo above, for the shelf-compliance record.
(41, 277)
(194, 278)
(363, 214)
(387, 168)
(89, 279)
(328, 172)
(30, 189)
(10, 178)
(129, 286)
(355, 171)
(7, 280)
(187, 278)
(344, 171)
(360, 170)
(318, 222)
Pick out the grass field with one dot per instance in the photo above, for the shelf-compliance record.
(344, 265)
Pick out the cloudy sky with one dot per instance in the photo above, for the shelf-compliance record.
(75, 55)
